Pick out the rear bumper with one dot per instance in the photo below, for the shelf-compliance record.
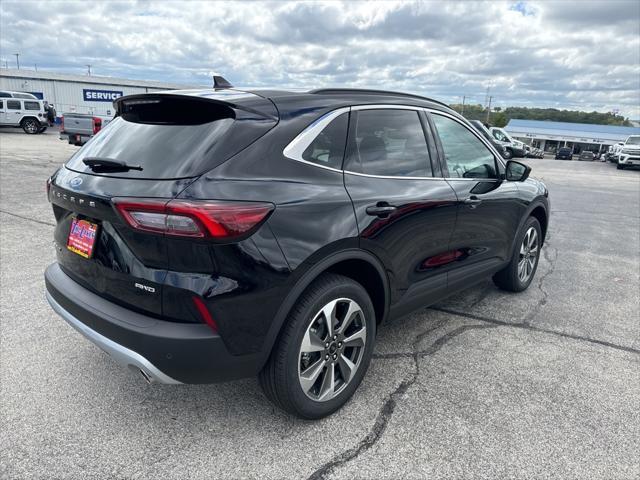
(75, 139)
(165, 352)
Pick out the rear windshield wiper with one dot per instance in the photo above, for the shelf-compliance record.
(99, 164)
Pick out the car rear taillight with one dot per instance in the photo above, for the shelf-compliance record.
(48, 187)
(62, 124)
(218, 220)
(97, 124)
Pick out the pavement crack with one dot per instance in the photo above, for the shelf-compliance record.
(28, 218)
(389, 406)
(532, 328)
(545, 295)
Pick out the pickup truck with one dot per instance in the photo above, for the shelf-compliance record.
(78, 128)
(513, 148)
(629, 154)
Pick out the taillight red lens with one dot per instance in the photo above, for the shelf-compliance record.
(220, 220)
(97, 124)
(62, 124)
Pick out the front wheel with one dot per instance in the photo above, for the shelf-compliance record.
(30, 126)
(508, 154)
(324, 349)
(519, 273)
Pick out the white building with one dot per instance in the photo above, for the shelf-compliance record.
(549, 136)
(78, 93)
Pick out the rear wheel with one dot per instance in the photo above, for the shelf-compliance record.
(620, 167)
(508, 154)
(324, 350)
(519, 273)
(30, 126)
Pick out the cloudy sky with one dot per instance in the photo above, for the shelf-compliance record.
(565, 54)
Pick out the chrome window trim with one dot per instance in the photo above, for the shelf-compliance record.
(299, 144)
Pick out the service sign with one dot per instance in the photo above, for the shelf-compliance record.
(100, 95)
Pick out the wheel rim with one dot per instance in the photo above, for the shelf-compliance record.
(332, 349)
(30, 126)
(528, 255)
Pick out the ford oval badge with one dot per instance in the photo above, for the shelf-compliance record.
(75, 182)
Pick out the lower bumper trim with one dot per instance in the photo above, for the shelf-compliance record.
(119, 353)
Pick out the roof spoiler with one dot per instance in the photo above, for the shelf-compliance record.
(258, 106)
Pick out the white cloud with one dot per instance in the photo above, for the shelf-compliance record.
(574, 55)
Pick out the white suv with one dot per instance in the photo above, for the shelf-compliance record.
(629, 154)
(19, 109)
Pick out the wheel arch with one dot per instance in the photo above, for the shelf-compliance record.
(359, 265)
(540, 213)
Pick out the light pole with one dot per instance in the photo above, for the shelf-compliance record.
(89, 70)
(17, 60)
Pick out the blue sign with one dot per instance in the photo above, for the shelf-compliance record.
(100, 95)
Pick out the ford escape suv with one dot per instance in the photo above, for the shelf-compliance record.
(205, 236)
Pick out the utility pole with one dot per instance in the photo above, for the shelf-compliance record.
(35, 66)
(17, 60)
(463, 99)
(89, 70)
(489, 110)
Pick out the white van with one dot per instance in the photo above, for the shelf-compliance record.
(19, 109)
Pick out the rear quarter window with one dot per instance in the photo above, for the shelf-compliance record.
(31, 105)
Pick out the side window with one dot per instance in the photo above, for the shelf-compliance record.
(13, 104)
(1, 104)
(5, 95)
(498, 135)
(327, 149)
(465, 154)
(31, 105)
(388, 143)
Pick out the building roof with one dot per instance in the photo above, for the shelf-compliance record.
(95, 79)
(570, 130)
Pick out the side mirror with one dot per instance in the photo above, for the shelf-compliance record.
(516, 171)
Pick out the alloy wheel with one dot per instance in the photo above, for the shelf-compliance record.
(528, 255)
(332, 349)
(30, 126)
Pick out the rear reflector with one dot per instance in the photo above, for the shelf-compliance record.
(219, 220)
(205, 314)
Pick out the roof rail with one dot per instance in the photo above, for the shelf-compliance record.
(366, 91)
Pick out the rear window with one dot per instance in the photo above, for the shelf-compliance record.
(167, 138)
(565, 150)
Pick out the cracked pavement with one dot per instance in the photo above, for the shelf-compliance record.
(487, 384)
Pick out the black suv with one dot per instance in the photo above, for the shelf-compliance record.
(205, 236)
(564, 153)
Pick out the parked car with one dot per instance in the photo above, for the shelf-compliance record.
(28, 114)
(78, 128)
(207, 236)
(630, 152)
(586, 155)
(513, 148)
(479, 126)
(617, 150)
(564, 153)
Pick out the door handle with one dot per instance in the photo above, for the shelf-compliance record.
(381, 209)
(472, 201)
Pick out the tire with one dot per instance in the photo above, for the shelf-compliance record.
(620, 167)
(512, 278)
(289, 365)
(508, 154)
(42, 129)
(30, 126)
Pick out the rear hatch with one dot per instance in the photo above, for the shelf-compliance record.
(157, 146)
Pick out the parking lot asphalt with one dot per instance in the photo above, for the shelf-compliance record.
(487, 384)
